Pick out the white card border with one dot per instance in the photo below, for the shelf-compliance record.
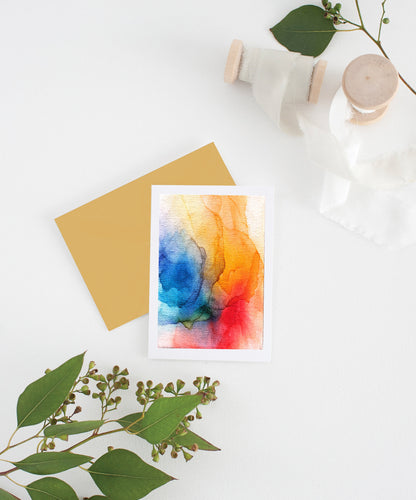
(264, 354)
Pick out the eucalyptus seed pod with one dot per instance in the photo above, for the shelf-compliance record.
(180, 384)
(169, 387)
(102, 386)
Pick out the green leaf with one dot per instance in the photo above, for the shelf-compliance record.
(305, 30)
(72, 428)
(190, 438)
(51, 462)
(6, 496)
(41, 398)
(162, 418)
(51, 488)
(97, 497)
(122, 475)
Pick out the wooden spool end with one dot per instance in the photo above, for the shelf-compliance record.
(370, 82)
(232, 66)
(317, 80)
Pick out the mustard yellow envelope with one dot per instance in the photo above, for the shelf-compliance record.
(109, 238)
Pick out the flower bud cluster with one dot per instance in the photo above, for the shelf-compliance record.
(176, 389)
(160, 449)
(204, 386)
(333, 12)
(206, 389)
(107, 385)
(147, 392)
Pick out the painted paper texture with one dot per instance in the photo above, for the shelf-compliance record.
(211, 271)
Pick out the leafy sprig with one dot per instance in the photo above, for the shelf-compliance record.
(53, 402)
(309, 29)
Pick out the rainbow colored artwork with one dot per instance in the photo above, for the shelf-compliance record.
(211, 271)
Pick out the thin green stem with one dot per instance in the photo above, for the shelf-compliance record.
(93, 436)
(127, 429)
(359, 13)
(110, 421)
(37, 436)
(351, 22)
(15, 482)
(38, 447)
(11, 446)
(378, 43)
(10, 441)
(362, 28)
(114, 431)
(381, 20)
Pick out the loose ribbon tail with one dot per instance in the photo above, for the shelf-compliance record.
(375, 198)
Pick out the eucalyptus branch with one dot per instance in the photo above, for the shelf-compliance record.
(309, 29)
(164, 412)
(334, 14)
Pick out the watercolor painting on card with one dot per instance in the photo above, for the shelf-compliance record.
(208, 280)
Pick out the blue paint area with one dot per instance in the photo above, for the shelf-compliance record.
(183, 294)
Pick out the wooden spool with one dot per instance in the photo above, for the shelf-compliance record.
(369, 83)
(232, 66)
(232, 69)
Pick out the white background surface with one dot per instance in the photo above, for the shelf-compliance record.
(94, 94)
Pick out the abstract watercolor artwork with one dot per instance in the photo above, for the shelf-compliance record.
(208, 272)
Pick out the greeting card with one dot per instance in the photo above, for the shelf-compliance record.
(210, 282)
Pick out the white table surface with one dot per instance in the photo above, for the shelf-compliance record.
(95, 93)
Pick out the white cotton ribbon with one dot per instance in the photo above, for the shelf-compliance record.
(369, 184)
(280, 82)
(371, 194)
